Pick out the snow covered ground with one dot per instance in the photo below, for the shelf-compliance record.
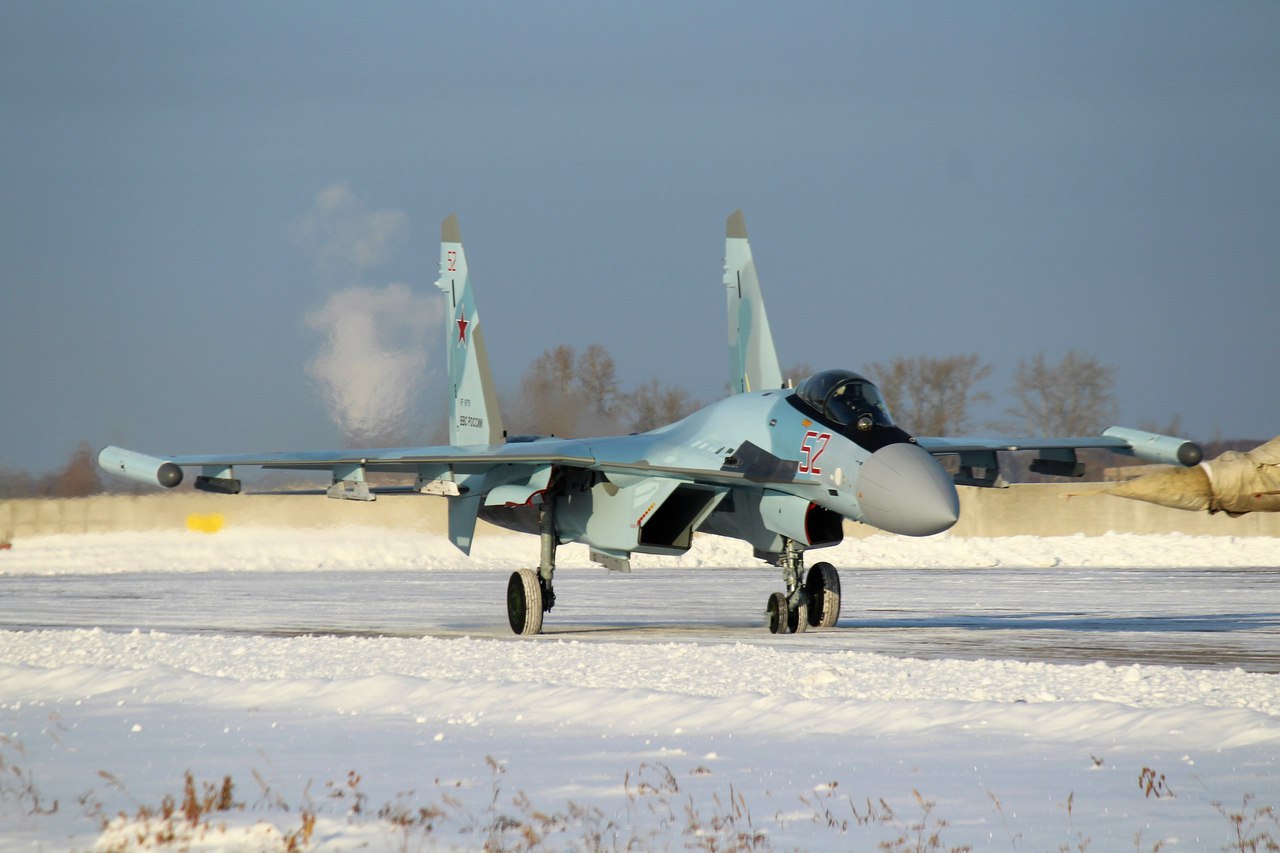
(360, 690)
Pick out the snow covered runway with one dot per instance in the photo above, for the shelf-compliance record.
(297, 657)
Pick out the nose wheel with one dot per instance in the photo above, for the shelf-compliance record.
(822, 591)
(784, 619)
(815, 602)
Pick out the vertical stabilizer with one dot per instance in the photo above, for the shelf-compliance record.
(753, 362)
(474, 417)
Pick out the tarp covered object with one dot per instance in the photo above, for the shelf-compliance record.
(1234, 482)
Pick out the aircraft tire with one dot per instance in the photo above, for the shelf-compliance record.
(524, 602)
(822, 589)
(798, 619)
(778, 613)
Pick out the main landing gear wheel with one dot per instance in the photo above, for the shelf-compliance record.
(524, 602)
(822, 589)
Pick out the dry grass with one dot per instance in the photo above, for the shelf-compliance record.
(659, 811)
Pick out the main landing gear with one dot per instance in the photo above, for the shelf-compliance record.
(530, 593)
(813, 603)
(812, 599)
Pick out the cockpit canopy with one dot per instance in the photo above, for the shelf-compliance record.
(846, 399)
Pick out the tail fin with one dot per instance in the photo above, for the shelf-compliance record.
(474, 416)
(753, 362)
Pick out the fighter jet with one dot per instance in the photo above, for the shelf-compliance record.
(778, 467)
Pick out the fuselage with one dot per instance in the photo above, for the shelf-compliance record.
(776, 456)
(882, 480)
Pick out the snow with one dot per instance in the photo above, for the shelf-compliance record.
(376, 549)
(336, 675)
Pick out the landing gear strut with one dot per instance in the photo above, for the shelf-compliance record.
(815, 602)
(530, 593)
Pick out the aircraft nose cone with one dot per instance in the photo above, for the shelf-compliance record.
(903, 489)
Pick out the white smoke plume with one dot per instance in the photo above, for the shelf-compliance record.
(344, 237)
(374, 361)
(375, 358)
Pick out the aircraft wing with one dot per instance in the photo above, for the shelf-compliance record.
(1058, 454)
(942, 445)
(217, 471)
(1150, 446)
(393, 459)
(621, 455)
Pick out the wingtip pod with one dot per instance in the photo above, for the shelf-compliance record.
(139, 467)
(1153, 447)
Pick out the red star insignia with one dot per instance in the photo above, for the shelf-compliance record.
(462, 329)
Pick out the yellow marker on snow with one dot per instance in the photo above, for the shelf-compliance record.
(205, 523)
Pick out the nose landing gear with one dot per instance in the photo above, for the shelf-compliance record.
(783, 619)
(815, 602)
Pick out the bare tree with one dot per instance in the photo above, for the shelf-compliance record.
(797, 373)
(932, 396)
(567, 394)
(553, 370)
(1173, 426)
(78, 479)
(549, 402)
(1072, 397)
(597, 379)
(16, 483)
(653, 405)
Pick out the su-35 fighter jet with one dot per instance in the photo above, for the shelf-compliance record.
(777, 467)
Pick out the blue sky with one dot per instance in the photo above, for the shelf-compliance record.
(918, 179)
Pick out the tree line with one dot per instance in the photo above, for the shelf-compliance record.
(567, 393)
(936, 396)
(78, 478)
